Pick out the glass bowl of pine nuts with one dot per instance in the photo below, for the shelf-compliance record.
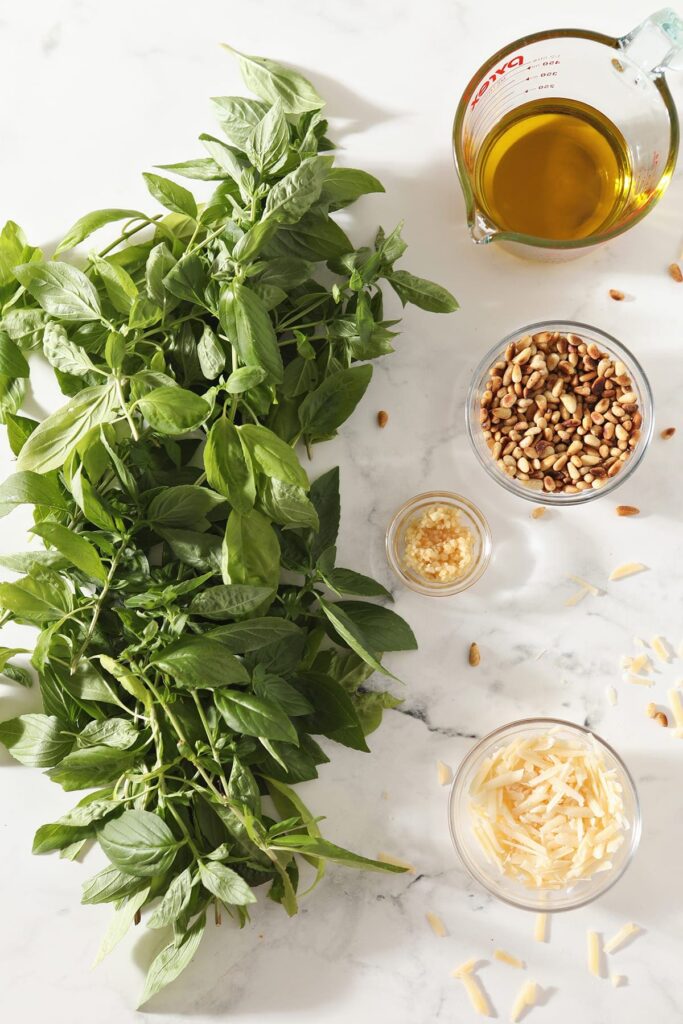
(559, 413)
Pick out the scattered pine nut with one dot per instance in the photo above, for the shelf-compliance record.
(667, 433)
(628, 510)
(382, 418)
(474, 655)
(617, 295)
(445, 773)
(618, 980)
(538, 512)
(675, 272)
(661, 719)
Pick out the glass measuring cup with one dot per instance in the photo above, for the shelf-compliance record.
(622, 78)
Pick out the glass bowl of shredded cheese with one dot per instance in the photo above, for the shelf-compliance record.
(544, 814)
(438, 543)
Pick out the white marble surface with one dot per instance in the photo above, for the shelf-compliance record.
(94, 93)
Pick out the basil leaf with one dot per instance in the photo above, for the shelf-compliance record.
(109, 885)
(210, 353)
(112, 732)
(171, 195)
(246, 322)
(223, 155)
(254, 716)
(118, 284)
(352, 635)
(120, 923)
(271, 81)
(202, 551)
(35, 740)
(63, 354)
(36, 599)
(268, 144)
(9, 652)
(172, 960)
(252, 634)
(287, 505)
(90, 222)
(422, 293)
(229, 601)
(343, 185)
(54, 439)
(173, 410)
(244, 379)
(251, 552)
(312, 846)
(62, 290)
(74, 547)
(238, 116)
(174, 901)
(160, 262)
(91, 766)
(272, 455)
(184, 505)
(292, 702)
(12, 363)
(200, 662)
(315, 237)
(139, 843)
(383, 629)
(228, 468)
(225, 884)
(294, 194)
(203, 169)
(19, 429)
(28, 488)
(325, 499)
(325, 409)
(334, 714)
(187, 280)
(346, 581)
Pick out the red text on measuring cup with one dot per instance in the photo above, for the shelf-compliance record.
(514, 62)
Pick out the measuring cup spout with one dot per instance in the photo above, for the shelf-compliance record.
(482, 230)
(656, 45)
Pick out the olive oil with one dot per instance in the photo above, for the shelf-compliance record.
(554, 168)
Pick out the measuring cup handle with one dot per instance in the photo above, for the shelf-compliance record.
(656, 45)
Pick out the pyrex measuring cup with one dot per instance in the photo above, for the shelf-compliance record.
(621, 78)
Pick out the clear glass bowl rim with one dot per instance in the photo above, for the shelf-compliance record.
(460, 502)
(616, 348)
(540, 721)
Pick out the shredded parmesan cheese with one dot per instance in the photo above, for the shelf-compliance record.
(508, 958)
(621, 937)
(575, 598)
(541, 928)
(547, 811)
(437, 925)
(676, 710)
(388, 858)
(612, 696)
(618, 980)
(525, 997)
(477, 997)
(590, 587)
(661, 649)
(445, 773)
(466, 968)
(639, 680)
(629, 569)
(641, 663)
(593, 953)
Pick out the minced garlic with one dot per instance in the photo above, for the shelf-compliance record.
(437, 545)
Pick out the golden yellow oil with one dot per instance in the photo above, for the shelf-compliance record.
(554, 168)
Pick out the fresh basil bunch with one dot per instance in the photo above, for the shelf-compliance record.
(183, 680)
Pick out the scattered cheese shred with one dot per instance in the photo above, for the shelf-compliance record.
(445, 773)
(639, 680)
(388, 858)
(661, 649)
(641, 663)
(477, 997)
(576, 598)
(525, 997)
(618, 980)
(437, 925)
(593, 953)
(639, 642)
(612, 696)
(541, 928)
(621, 937)
(590, 587)
(465, 968)
(508, 958)
(629, 569)
(676, 709)
(547, 811)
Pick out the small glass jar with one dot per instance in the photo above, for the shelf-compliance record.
(470, 517)
(614, 349)
(510, 890)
